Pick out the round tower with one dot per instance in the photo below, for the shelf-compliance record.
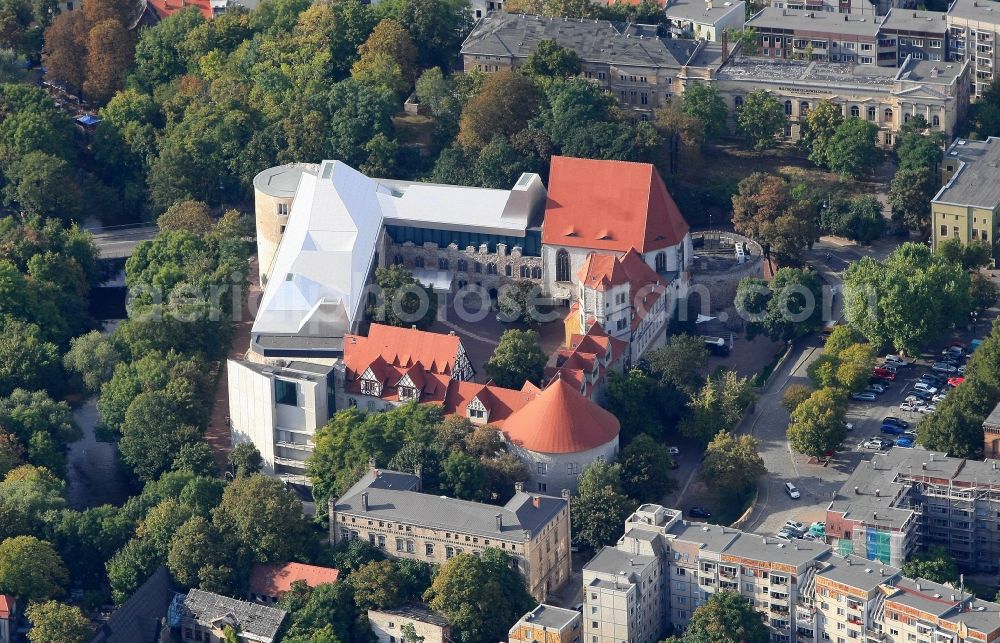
(273, 191)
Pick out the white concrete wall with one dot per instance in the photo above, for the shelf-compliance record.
(557, 476)
(252, 410)
(388, 628)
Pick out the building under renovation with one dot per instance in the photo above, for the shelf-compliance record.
(910, 499)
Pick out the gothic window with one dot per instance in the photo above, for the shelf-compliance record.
(661, 261)
(562, 265)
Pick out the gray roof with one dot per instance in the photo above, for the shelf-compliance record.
(925, 595)
(912, 20)
(792, 72)
(615, 561)
(796, 552)
(517, 35)
(977, 182)
(259, 620)
(856, 571)
(138, 619)
(983, 10)
(930, 72)
(833, 24)
(983, 616)
(282, 180)
(698, 11)
(392, 497)
(714, 537)
(294, 368)
(993, 419)
(981, 472)
(550, 616)
(416, 612)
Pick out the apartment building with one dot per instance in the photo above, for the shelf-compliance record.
(921, 35)
(664, 567)
(967, 207)
(704, 19)
(788, 34)
(973, 29)
(910, 499)
(853, 7)
(547, 624)
(387, 509)
(630, 60)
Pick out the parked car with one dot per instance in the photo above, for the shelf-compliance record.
(891, 429)
(792, 491)
(873, 390)
(808, 536)
(943, 367)
(934, 379)
(863, 397)
(891, 419)
(885, 374)
(849, 426)
(926, 388)
(961, 370)
(878, 445)
(784, 535)
(897, 361)
(919, 394)
(954, 349)
(794, 526)
(878, 387)
(674, 451)
(955, 381)
(906, 443)
(699, 512)
(937, 398)
(909, 406)
(927, 410)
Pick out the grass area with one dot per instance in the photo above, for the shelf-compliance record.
(413, 129)
(726, 507)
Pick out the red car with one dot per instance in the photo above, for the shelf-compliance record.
(881, 373)
(955, 381)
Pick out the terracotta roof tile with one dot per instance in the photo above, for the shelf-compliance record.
(500, 402)
(6, 606)
(400, 347)
(561, 420)
(277, 579)
(610, 205)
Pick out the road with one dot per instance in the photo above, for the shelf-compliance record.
(119, 242)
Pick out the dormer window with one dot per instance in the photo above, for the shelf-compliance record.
(477, 412)
(371, 387)
(407, 393)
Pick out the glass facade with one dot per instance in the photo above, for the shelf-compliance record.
(531, 243)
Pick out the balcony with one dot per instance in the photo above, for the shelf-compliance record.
(289, 462)
(854, 620)
(300, 446)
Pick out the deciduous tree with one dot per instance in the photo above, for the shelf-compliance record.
(31, 570)
(504, 105)
(645, 465)
(821, 122)
(732, 463)
(703, 101)
(53, 622)
(818, 425)
(601, 506)
(761, 119)
(553, 61)
(517, 358)
(852, 150)
(191, 216)
(936, 565)
(680, 362)
(110, 52)
(726, 617)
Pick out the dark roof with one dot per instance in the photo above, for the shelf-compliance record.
(259, 620)
(138, 620)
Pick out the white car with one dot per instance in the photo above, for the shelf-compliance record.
(912, 407)
(938, 397)
(942, 367)
(849, 426)
(927, 388)
(792, 491)
(930, 408)
(674, 451)
(794, 525)
(878, 445)
(896, 360)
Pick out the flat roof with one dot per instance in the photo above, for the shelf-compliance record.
(699, 11)
(549, 616)
(929, 22)
(981, 10)
(611, 560)
(715, 538)
(816, 21)
(856, 571)
(416, 612)
(282, 180)
(767, 548)
(758, 70)
(924, 595)
(977, 181)
(930, 72)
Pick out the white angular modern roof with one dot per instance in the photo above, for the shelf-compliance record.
(325, 254)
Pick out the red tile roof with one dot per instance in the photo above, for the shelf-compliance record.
(6, 606)
(610, 205)
(561, 420)
(401, 347)
(277, 579)
(500, 402)
(164, 8)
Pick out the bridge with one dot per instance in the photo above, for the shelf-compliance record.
(120, 241)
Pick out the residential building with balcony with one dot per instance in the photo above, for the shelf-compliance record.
(704, 19)
(388, 509)
(547, 624)
(908, 500)
(921, 35)
(787, 34)
(967, 207)
(973, 29)
(852, 7)
(888, 97)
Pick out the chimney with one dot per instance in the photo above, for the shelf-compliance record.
(418, 471)
(364, 500)
(499, 518)
(932, 457)
(413, 327)
(918, 586)
(857, 491)
(709, 5)
(518, 487)
(848, 561)
(725, 46)
(451, 332)
(923, 465)
(877, 493)
(536, 502)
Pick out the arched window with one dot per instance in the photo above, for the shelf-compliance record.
(419, 262)
(788, 108)
(936, 120)
(871, 113)
(536, 273)
(661, 261)
(855, 111)
(443, 264)
(508, 270)
(803, 108)
(524, 272)
(906, 118)
(398, 260)
(463, 265)
(562, 265)
(491, 269)
(738, 102)
(887, 115)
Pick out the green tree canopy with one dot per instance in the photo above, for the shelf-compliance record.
(31, 570)
(761, 119)
(553, 60)
(517, 358)
(818, 424)
(726, 617)
(601, 506)
(645, 465)
(53, 622)
(936, 565)
(852, 151)
(732, 463)
(703, 101)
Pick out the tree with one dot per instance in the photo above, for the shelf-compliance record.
(936, 565)
(818, 427)
(153, 431)
(43, 184)
(389, 45)
(199, 555)
(26, 360)
(479, 595)
(726, 617)
(196, 458)
(852, 150)
(971, 256)
(31, 570)
(93, 358)
(630, 398)
(265, 517)
(437, 27)
(158, 58)
(910, 194)
(732, 463)
(683, 135)
(553, 60)
(53, 622)
(65, 38)
(765, 209)
(703, 101)
(504, 105)
(984, 292)
(463, 476)
(747, 39)
(244, 459)
(517, 358)
(864, 222)
(717, 406)
(11, 452)
(680, 362)
(854, 367)
(324, 614)
(519, 301)
(192, 216)
(794, 395)
(110, 51)
(645, 464)
(404, 300)
(600, 507)
(761, 119)
(378, 585)
(821, 122)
